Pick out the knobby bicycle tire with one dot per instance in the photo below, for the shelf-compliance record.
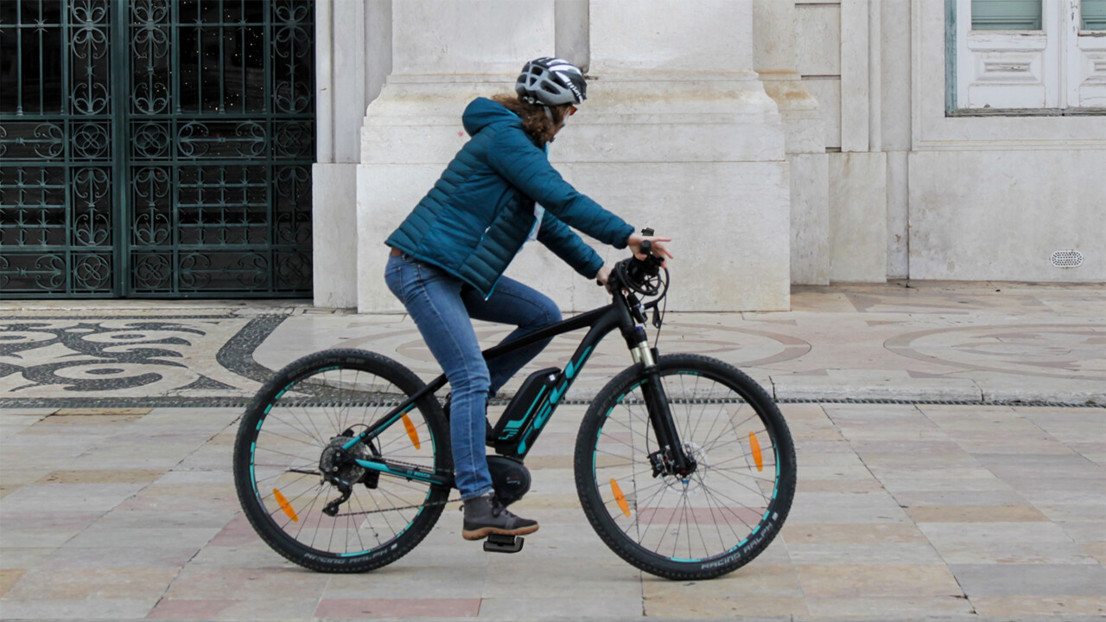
(312, 405)
(721, 516)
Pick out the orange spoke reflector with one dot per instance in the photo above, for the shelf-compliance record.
(620, 498)
(412, 432)
(287, 507)
(757, 456)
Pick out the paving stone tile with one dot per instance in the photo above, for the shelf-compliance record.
(22, 557)
(189, 609)
(1004, 543)
(882, 580)
(855, 472)
(116, 455)
(113, 609)
(1030, 579)
(896, 460)
(589, 608)
(1096, 550)
(103, 476)
(874, 384)
(8, 578)
(61, 583)
(404, 608)
(806, 485)
(824, 507)
(411, 579)
(247, 584)
(12, 480)
(42, 499)
(923, 451)
(34, 413)
(854, 553)
(1061, 607)
(561, 576)
(852, 533)
(40, 536)
(827, 454)
(107, 536)
(101, 412)
(919, 498)
(919, 480)
(890, 608)
(167, 555)
(271, 608)
(975, 514)
(183, 498)
(750, 581)
(245, 556)
(764, 606)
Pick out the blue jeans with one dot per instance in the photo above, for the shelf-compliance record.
(443, 308)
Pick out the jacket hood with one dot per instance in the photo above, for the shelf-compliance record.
(483, 112)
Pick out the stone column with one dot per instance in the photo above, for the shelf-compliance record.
(444, 54)
(775, 61)
(679, 134)
(340, 33)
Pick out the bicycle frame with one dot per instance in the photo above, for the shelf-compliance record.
(620, 314)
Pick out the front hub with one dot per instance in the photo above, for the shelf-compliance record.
(687, 480)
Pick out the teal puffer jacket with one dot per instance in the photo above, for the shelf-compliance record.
(480, 212)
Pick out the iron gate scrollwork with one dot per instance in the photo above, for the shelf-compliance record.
(57, 174)
(156, 148)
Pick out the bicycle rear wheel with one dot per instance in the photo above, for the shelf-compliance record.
(720, 516)
(291, 432)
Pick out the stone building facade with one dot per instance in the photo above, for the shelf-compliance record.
(778, 142)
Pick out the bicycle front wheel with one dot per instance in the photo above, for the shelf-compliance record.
(296, 428)
(711, 521)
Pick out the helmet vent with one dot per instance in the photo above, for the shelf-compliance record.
(1067, 259)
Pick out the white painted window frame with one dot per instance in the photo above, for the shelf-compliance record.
(1059, 67)
(1086, 63)
(932, 126)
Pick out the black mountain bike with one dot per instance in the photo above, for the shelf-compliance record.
(684, 465)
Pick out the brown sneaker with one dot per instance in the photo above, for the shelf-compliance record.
(485, 515)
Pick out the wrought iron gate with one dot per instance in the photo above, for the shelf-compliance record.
(156, 148)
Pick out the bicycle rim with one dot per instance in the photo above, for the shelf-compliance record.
(283, 441)
(720, 516)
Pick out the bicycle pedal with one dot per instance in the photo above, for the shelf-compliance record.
(498, 543)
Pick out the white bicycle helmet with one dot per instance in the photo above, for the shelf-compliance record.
(551, 82)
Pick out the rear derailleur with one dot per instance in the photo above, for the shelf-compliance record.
(339, 468)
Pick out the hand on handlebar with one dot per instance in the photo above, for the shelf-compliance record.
(656, 247)
(603, 277)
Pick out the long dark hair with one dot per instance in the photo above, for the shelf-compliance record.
(534, 119)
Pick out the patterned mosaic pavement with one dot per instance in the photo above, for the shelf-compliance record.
(126, 357)
(976, 343)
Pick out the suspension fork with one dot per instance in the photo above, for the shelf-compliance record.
(671, 459)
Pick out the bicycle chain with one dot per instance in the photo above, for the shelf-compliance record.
(405, 507)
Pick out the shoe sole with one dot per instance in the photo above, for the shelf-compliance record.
(480, 534)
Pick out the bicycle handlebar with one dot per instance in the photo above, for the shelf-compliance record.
(641, 276)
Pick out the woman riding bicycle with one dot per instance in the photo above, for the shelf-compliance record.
(448, 256)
